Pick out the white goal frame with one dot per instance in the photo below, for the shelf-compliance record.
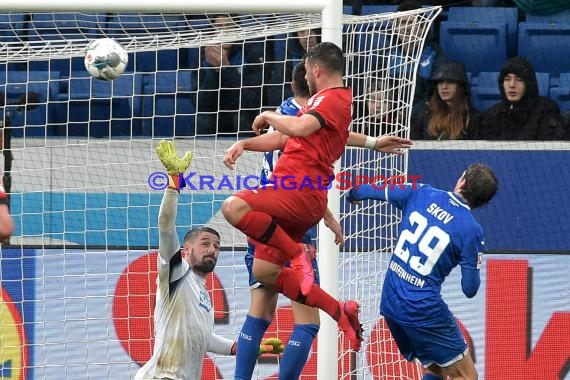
(332, 11)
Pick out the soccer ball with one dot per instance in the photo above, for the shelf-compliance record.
(105, 59)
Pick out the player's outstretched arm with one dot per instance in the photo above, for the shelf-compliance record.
(362, 192)
(223, 346)
(385, 144)
(168, 238)
(333, 225)
(287, 125)
(263, 143)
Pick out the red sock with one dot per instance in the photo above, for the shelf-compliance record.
(288, 285)
(263, 228)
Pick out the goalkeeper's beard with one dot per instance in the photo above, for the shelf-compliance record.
(206, 265)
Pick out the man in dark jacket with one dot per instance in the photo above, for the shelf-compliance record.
(522, 114)
(229, 82)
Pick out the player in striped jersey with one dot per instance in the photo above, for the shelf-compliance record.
(437, 233)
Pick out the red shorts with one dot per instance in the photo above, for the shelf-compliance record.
(296, 211)
(270, 254)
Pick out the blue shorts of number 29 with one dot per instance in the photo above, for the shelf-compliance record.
(253, 283)
(439, 343)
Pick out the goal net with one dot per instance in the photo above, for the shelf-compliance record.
(77, 278)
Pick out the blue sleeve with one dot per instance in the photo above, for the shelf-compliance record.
(470, 261)
(470, 281)
(397, 195)
(288, 107)
(472, 247)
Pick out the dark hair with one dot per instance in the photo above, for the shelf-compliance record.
(298, 77)
(481, 185)
(328, 55)
(191, 234)
(523, 69)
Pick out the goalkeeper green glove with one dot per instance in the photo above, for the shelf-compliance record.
(271, 346)
(174, 165)
(268, 346)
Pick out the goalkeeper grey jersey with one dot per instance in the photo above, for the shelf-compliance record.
(183, 313)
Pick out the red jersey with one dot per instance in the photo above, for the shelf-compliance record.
(313, 156)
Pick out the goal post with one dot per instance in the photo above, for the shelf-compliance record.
(82, 193)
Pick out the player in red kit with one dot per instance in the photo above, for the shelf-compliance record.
(277, 215)
(6, 222)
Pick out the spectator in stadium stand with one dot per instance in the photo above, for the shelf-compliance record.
(449, 114)
(229, 82)
(386, 114)
(432, 55)
(522, 114)
(297, 44)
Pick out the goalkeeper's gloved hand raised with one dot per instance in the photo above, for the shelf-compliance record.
(173, 164)
(271, 346)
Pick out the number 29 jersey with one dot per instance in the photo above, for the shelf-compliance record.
(437, 233)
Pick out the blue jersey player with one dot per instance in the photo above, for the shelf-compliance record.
(437, 233)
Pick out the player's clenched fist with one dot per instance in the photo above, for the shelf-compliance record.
(232, 154)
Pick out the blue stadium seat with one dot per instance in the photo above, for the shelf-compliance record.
(118, 25)
(375, 9)
(347, 9)
(554, 18)
(546, 46)
(481, 47)
(490, 15)
(543, 80)
(143, 24)
(11, 26)
(168, 107)
(103, 108)
(150, 61)
(66, 25)
(32, 121)
(561, 93)
(486, 93)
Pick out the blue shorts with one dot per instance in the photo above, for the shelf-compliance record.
(253, 283)
(441, 344)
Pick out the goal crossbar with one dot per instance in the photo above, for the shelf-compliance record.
(211, 6)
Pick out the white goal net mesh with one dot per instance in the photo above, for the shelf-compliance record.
(77, 278)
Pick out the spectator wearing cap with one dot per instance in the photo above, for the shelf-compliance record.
(522, 114)
(448, 114)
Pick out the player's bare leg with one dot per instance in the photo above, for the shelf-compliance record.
(262, 227)
(263, 303)
(463, 369)
(234, 209)
(433, 372)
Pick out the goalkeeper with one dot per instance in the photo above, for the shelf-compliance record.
(183, 314)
